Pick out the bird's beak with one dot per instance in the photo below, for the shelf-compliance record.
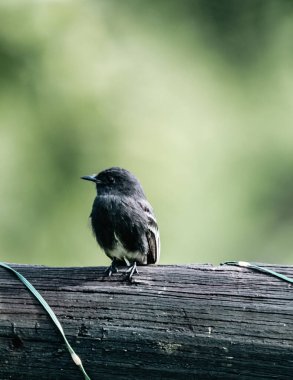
(91, 178)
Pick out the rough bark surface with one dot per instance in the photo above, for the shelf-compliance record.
(175, 322)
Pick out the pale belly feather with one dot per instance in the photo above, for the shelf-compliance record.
(120, 253)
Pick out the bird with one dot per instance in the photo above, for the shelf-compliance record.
(123, 221)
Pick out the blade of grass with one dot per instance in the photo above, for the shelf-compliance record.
(51, 314)
(258, 268)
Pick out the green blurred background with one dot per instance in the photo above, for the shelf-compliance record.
(193, 96)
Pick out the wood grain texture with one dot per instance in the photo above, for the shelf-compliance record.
(176, 322)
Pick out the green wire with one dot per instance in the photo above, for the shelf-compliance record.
(256, 267)
(51, 313)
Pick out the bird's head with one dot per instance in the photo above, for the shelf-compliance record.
(116, 181)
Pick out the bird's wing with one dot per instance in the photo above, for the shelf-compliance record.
(152, 234)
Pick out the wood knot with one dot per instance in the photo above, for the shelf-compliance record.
(17, 343)
(83, 330)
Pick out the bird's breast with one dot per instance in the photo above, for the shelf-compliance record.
(120, 228)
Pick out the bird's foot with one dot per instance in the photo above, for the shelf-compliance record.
(112, 269)
(131, 271)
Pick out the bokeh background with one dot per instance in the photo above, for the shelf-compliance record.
(193, 96)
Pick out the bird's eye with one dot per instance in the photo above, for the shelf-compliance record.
(111, 180)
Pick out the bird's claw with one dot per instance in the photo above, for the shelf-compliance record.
(110, 270)
(131, 271)
(127, 276)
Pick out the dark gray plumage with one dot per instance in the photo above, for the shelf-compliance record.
(123, 220)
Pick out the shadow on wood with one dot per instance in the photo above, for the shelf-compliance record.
(175, 322)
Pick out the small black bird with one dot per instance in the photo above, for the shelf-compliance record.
(123, 221)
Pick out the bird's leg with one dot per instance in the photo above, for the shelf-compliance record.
(112, 269)
(126, 261)
(132, 270)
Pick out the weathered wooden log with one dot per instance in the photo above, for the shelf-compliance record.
(175, 322)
